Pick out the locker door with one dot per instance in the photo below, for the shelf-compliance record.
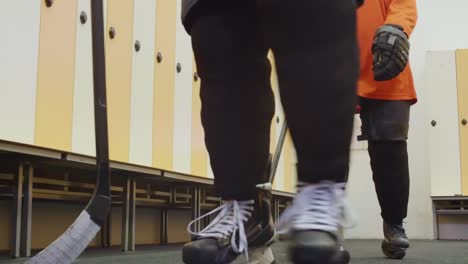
(119, 49)
(442, 122)
(19, 24)
(199, 156)
(183, 98)
(83, 105)
(462, 78)
(54, 101)
(165, 68)
(141, 121)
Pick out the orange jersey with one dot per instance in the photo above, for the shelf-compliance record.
(372, 15)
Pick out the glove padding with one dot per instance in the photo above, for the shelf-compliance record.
(390, 51)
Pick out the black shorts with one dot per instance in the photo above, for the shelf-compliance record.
(384, 120)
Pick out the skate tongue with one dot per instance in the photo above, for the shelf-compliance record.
(319, 206)
(228, 223)
(350, 218)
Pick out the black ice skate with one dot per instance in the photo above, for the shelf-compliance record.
(314, 222)
(396, 242)
(239, 227)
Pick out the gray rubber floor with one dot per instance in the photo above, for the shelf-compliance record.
(362, 251)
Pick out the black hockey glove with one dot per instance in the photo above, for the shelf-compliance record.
(359, 2)
(390, 51)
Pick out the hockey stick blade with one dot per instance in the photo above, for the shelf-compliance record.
(69, 246)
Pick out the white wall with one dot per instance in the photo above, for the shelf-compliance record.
(442, 25)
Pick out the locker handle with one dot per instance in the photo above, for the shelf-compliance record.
(83, 17)
(433, 123)
(137, 46)
(464, 121)
(112, 32)
(49, 3)
(159, 57)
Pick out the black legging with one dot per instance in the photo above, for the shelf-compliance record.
(389, 162)
(316, 54)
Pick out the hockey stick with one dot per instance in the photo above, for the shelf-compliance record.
(76, 238)
(277, 154)
(274, 160)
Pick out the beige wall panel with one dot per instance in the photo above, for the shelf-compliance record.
(281, 169)
(289, 165)
(51, 219)
(54, 101)
(273, 80)
(83, 99)
(163, 124)
(177, 229)
(19, 26)
(141, 118)
(462, 79)
(147, 226)
(5, 224)
(119, 73)
(273, 127)
(444, 145)
(199, 156)
(277, 124)
(183, 98)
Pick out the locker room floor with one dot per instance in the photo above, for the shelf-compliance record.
(363, 252)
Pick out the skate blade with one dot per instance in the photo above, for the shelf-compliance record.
(393, 252)
(262, 255)
(341, 257)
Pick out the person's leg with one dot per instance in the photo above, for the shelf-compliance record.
(236, 95)
(316, 53)
(237, 108)
(389, 162)
(385, 126)
(315, 47)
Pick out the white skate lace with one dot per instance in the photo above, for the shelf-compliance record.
(229, 221)
(319, 206)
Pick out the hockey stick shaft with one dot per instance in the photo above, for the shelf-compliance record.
(100, 203)
(100, 98)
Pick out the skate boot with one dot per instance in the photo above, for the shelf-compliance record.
(396, 242)
(240, 226)
(313, 222)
